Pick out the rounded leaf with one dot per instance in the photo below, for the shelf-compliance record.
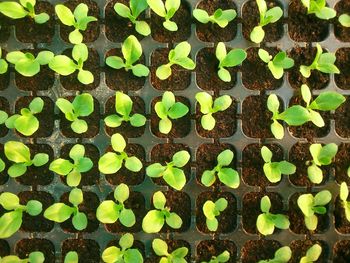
(109, 163)
(208, 178)
(26, 125)
(85, 77)
(10, 223)
(76, 196)
(61, 166)
(175, 178)
(17, 170)
(257, 35)
(79, 221)
(133, 164)
(121, 193)
(153, 222)
(265, 204)
(17, 152)
(112, 254)
(174, 221)
(208, 122)
(63, 65)
(65, 15)
(71, 257)
(40, 159)
(137, 120)
(34, 207)
(160, 247)
(155, 170)
(165, 126)
(229, 177)
(123, 103)
(9, 201)
(159, 200)
(118, 142)
(181, 158)
(58, 212)
(225, 157)
(126, 241)
(264, 225)
(107, 212)
(127, 217)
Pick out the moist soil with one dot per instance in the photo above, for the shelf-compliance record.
(208, 248)
(341, 117)
(4, 248)
(343, 63)
(255, 250)
(5, 28)
(300, 247)
(341, 223)
(3, 175)
(340, 32)
(341, 251)
(25, 246)
(4, 78)
(341, 163)
(173, 244)
(4, 106)
(88, 250)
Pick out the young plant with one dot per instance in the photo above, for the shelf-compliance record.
(111, 162)
(65, 66)
(208, 108)
(11, 221)
(168, 109)
(33, 257)
(108, 212)
(344, 193)
(282, 255)
(125, 253)
(71, 257)
(160, 247)
(177, 56)
(79, 20)
(167, 11)
(319, 8)
(344, 20)
(232, 59)
(221, 258)
(171, 172)
(311, 205)
(276, 64)
(266, 221)
(220, 17)
(323, 62)
(82, 106)
(267, 16)
(60, 212)
(19, 153)
(312, 254)
(155, 219)
(3, 64)
(132, 13)
(274, 170)
(211, 210)
(226, 175)
(73, 169)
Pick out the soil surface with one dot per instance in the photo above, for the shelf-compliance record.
(28, 245)
(341, 117)
(4, 106)
(341, 223)
(343, 63)
(300, 247)
(4, 29)
(341, 251)
(340, 32)
(255, 250)
(4, 248)
(341, 163)
(208, 248)
(3, 175)
(88, 250)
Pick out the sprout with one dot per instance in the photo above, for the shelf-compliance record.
(266, 17)
(60, 212)
(312, 254)
(73, 169)
(220, 17)
(11, 221)
(171, 172)
(155, 219)
(71, 257)
(167, 109)
(132, 13)
(132, 51)
(282, 255)
(167, 11)
(82, 106)
(318, 7)
(344, 20)
(276, 64)
(177, 56)
(208, 108)
(344, 193)
(65, 66)
(226, 175)
(123, 254)
(19, 153)
(211, 210)
(3, 64)
(221, 258)
(232, 59)
(160, 247)
(33, 257)
(274, 170)
(310, 205)
(111, 162)
(108, 212)
(323, 62)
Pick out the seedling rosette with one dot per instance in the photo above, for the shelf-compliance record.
(276, 64)
(343, 194)
(167, 11)
(212, 210)
(220, 17)
(160, 248)
(319, 8)
(282, 255)
(221, 258)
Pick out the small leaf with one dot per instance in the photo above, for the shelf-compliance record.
(155, 170)
(266, 154)
(201, 15)
(178, 110)
(175, 178)
(85, 77)
(122, 10)
(40, 159)
(109, 163)
(79, 126)
(34, 207)
(159, 247)
(137, 120)
(157, 6)
(234, 58)
(205, 101)
(315, 174)
(159, 200)
(13, 10)
(174, 221)
(107, 212)
(208, 122)
(153, 222)
(295, 115)
(118, 142)
(222, 103)
(165, 126)
(265, 204)
(126, 241)
(127, 217)
(208, 178)
(133, 164)
(327, 101)
(257, 35)
(163, 72)
(79, 221)
(277, 130)
(17, 152)
(115, 62)
(181, 158)
(264, 225)
(229, 177)
(225, 157)
(9, 201)
(17, 170)
(131, 49)
(75, 37)
(61, 166)
(112, 254)
(63, 65)
(58, 212)
(264, 55)
(10, 223)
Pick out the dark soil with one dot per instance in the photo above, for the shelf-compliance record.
(208, 248)
(341, 251)
(341, 117)
(300, 247)
(25, 246)
(172, 245)
(3, 175)
(136, 245)
(343, 57)
(4, 248)
(88, 250)
(341, 223)
(340, 32)
(255, 250)
(4, 106)
(4, 29)
(4, 78)
(341, 163)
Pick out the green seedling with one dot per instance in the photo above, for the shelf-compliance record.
(2, 165)
(60, 212)
(132, 51)
(212, 210)
(319, 8)
(79, 20)
(24, 8)
(344, 193)
(266, 221)
(344, 20)
(132, 13)
(321, 155)
(226, 175)
(160, 248)
(171, 172)
(323, 62)
(73, 170)
(220, 17)
(276, 64)
(177, 56)
(3, 117)
(11, 221)
(124, 253)
(282, 255)
(312, 254)
(228, 60)
(71, 257)
(167, 11)
(111, 162)
(167, 109)
(155, 219)
(208, 108)
(267, 16)
(33, 257)
(221, 258)
(3, 64)
(108, 212)
(274, 170)
(82, 106)
(311, 205)
(19, 153)
(65, 66)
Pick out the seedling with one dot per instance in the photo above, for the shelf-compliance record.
(132, 13)
(3, 64)
(323, 62)
(11, 221)
(167, 109)
(344, 193)
(311, 205)
(19, 153)
(344, 20)
(208, 108)
(123, 254)
(167, 11)
(319, 8)
(33, 257)
(282, 255)
(266, 17)
(221, 258)
(276, 64)
(226, 175)
(232, 59)
(60, 212)
(73, 169)
(212, 210)
(312, 254)
(160, 247)
(71, 257)
(220, 17)
(177, 56)
(79, 20)
(2, 165)
(171, 172)
(155, 219)
(108, 212)
(82, 106)
(65, 66)
(274, 170)
(111, 162)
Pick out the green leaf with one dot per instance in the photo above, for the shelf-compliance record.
(208, 122)
(165, 126)
(110, 163)
(220, 51)
(201, 15)
(181, 158)
(159, 200)
(277, 130)
(257, 35)
(180, 252)
(126, 241)
(153, 221)
(265, 204)
(170, 25)
(3, 66)
(283, 254)
(107, 212)
(133, 164)
(181, 50)
(311, 222)
(71, 257)
(234, 58)
(131, 49)
(142, 28)
(41, 18)
(81, 11)
(83, 104)
(273, 103)
(281, 221)
(286, 167)
(58, 212)
(34, 207)
(177, 110)
(17, 152)
(27, 68)
(77, 152)
(327, 153)
(123, 103)
(322, 198)
(112, 254)
(157, 6)
(205, 101)
(26, 125)
(65, 106)
(155, 170)
(344, 20)
(221, 204)
(76, 196)
(40, 159)
(344, 192)
(10, 223)
(79, 221)
(274, 14)
(276, 71)
(36, 105)
(160, 247)
(140, 70)
(306, 94)
(209, 209)
(229, 177)
(118, 142)
(224, 75)
(326, 13)
(266, 154)
(85, 77)
(61, 166)
(13, 10)
(314, 252)
(79, 126)
(138, 6)
(163, 72)
(137, 120)
(9, 201)
(114, 121)
(272, 173)
(115, 62)
(73, 178)
(122, 10)
(295, 115)
(175, 178)
(315, 174)
(127, 217)
(305, 203)
(121, 193)
(327, 101)
(222, 103)
(174, 221)
(208, 178)
(225, 157)
(80, 52)
(17, 170)
(264, 225)
(212, 224)
(84, 164)
(264, 55)
(36, 257)
(63, 65)
(65, 15)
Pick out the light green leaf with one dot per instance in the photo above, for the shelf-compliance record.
(118, 142)
(13, 10)
(153, 222)
(109, 163)
(10, 223)
(107, 212)
(133, 164)
(58, 212)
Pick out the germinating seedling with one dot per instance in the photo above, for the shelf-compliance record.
(155, 219)
(220, 17)
(221, 258)
(167, 11)
(282, 255)
(33, 257)
(212, 210)
(11, 221)
(344, 20)
(71, 257)
(344, 193)
(312, 254)
(160, 248)
(3, 64)
(311, 205)
(319, 8)
(276, 64)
